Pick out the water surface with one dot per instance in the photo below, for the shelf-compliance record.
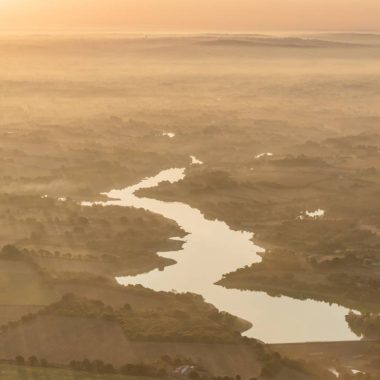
(212, 249)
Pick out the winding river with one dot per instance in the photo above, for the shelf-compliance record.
(212, 249)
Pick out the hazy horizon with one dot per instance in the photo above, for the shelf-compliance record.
(141, 34)
(170, 16)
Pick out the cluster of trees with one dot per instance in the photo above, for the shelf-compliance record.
(201, 323)
(286, 272)
(176, 325)
(273, 363)
(32, 361)
(12, 324)
(319, 237)
(176, 361)
(108, 234)
(73, 306)
(13, 253)
(70, 306)
(82, 278)
(291, 161)
(96, 366)
(366, 325)
(162, 368)
(170, 324)
(58, 254)
(10, 252)
(352, 291)
(143, 370)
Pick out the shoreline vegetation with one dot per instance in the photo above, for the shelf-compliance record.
(190, 319)
(63, 236)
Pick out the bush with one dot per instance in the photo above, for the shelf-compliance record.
(76, 365)
(194, 375)
(20, 360)
(162, 372)
(87, 365)
(33, 361)
(10, 252)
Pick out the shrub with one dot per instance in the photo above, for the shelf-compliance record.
(20, 360)
(33, 361)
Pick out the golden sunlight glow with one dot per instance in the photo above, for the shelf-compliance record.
(190, 15)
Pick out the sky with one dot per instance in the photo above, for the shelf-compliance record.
(189, 15)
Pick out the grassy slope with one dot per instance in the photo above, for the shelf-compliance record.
(62, 339)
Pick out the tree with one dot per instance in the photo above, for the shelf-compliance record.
(20, 360)
(99, 366)
(86, 365)
(109, 368)
(10, 252)
(75, 365)
(33, 361)
(162, 372)
(194, 375)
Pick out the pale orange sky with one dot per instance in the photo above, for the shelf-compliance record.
(189, 15)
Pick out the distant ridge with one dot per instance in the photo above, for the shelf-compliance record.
(286, 42)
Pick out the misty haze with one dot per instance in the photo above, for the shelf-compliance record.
(190, 206)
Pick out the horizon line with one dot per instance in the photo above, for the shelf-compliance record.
(179, 32)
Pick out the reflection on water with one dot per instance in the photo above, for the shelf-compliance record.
(317, 214)
(212, 249)
(264, 155)
(171, 135)
(195, 161)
